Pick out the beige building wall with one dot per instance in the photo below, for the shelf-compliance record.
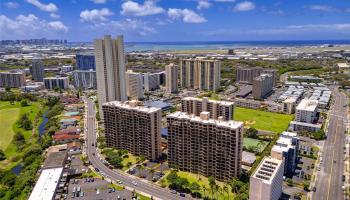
(110, 69)
(134, 88)
(205, 146)
(216, 109)
(133, 127)
(200, 74)
(171, 73)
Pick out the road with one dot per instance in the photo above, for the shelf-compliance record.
(329, 179)
(115, 175)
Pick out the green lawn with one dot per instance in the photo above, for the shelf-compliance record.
(9, 114)
(131, 159)
(250, 142)
(202, 181)
(7, 118)
(262, 120)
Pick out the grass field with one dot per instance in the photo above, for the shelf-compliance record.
(9, 114)
(203, 181)
(7, 118)
(262, 120)
(250, 142)
(131, 159)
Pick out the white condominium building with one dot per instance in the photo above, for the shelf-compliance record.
(200, 74)
(84, 79)
(306, 111)
(12, 79)
(52, 83)
(110, 69)
(266, 182)
(134, 88)
(171, 73)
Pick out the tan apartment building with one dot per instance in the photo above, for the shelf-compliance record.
(134, 87)
(246, 75)
(110, 69)
(171, 77)
(201, 145)
(12, 79)
(133, 127)
(288, 105)
(216, 109)
(262, 86)
(200, 74)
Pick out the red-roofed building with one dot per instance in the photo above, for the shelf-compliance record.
(70, 130)
(69, 99)
(64, 138)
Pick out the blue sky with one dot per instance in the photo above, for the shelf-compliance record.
(176, 20)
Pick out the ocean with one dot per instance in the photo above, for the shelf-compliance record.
(218, 45)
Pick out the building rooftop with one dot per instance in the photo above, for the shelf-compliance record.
(12, 72)
(55, 159)
(267, 169)
(132, 105)
(45, 187)
(68, 120)
(288, 134)
(223, 123)
(343, 65)
(51, 78)
(290, 100)
(307, 105)
(248, 157)
(226, 103)
(262, 77)
(306, 124)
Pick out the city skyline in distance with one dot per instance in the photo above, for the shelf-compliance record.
(166, 21)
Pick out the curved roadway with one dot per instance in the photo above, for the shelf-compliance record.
(142, 186)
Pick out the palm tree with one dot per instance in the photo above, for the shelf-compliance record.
(204, 190)
(128, 164)
(152, 172)
(212, 185)
(218, 189)
(226, 189)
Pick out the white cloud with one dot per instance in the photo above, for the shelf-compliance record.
(58, 26)
(99, 1)
(203, 4)
(55, 16)
(186, 15)
(224, 1)
(11, 4)
(29, 26)
(129, 26)
(132, 8)
(323, 8)
(244, 6)
(44, 7)
(95, 15)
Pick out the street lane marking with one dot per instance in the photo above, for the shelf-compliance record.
(330, 180)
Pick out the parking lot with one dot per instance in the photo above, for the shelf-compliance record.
(95, 188)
